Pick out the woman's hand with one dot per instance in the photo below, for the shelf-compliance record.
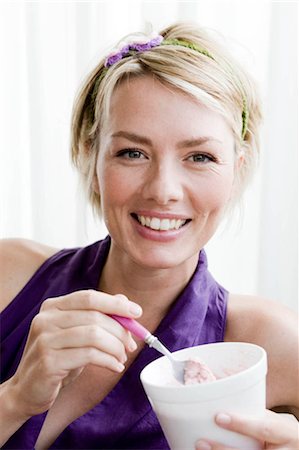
(275, 431)
(69, 333)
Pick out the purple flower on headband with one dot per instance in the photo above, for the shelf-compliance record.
(135, 46)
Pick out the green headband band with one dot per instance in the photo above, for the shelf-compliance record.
(138, 47)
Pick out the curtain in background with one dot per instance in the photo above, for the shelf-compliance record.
(46, 50)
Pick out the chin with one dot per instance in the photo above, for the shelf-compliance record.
(161, 260)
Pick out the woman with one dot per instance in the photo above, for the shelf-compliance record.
(165, 136)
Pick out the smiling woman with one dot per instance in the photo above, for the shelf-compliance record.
(165, 137)
(160, 172)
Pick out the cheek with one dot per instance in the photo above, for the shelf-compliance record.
(214, 193)
(115, 187)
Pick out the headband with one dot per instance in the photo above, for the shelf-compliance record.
(130, 49)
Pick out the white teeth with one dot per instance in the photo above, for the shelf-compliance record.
(164, 224)
(155, 223)
(161, 224)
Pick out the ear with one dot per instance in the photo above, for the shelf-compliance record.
(240, 159)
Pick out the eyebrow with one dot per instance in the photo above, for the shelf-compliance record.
(136, 138)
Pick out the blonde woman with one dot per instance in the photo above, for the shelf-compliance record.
(165, 137)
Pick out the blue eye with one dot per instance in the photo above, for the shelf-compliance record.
(130, 154)
(201, 158)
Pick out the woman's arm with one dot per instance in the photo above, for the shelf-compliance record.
(11, 415)
(67, 334)
(19, 260)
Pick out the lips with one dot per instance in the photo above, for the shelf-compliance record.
(160, 223)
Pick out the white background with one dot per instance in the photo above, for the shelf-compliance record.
(47, 48)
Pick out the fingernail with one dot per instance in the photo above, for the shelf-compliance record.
(119, 367)
(223, 419)
(202, 445)
(132, 346)
(135, 309)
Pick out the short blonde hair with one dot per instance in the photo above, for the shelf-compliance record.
(218, 82)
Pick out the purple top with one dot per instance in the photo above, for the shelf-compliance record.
(124, 419)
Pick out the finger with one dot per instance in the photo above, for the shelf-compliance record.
(84, 336)
(50, 319)
(70, 359)
(94, 300)
(268, 428)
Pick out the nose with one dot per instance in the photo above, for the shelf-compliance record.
(163, 183)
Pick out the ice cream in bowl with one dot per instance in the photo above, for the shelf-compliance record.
(219, 377)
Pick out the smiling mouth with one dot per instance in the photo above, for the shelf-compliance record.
(157, 224)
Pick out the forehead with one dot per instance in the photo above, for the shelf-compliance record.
(146, 104)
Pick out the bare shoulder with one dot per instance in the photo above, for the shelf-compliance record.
(19, 260)
(274, 327)
(246, 312)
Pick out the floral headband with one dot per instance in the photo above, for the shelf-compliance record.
(130, 49)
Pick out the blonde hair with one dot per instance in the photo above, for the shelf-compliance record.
(218, 82)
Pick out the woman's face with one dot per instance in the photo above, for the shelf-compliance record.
(165, 173)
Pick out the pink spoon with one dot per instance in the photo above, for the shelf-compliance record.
(152, 341)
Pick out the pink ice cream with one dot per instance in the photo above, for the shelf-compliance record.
(196, 371)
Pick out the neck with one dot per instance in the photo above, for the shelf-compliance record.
(153, 289)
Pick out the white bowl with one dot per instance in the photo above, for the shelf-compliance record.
(186, 413)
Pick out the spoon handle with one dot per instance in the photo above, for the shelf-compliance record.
(142, 333)
(132, 325)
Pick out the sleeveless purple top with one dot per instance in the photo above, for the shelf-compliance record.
(124, 419)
